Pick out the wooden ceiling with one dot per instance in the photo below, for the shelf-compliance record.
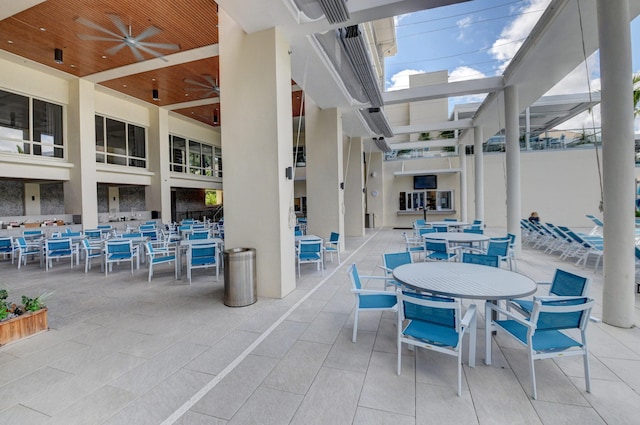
(59, 24)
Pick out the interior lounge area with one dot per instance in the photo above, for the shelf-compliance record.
(120, 222)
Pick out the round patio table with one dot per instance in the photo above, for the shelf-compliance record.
(464, 280)
(457, 237)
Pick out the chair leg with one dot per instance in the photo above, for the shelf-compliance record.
(355, 326)
(487, 336)
(460, 372)
(532, 372)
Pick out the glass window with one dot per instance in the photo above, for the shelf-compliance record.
(178, 154)
(195, 165)
(116, 137)
(47, 129)
(30, 126)
(136, 141)
(207, 160)
(100, 149)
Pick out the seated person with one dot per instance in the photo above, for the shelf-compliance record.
(534, 218)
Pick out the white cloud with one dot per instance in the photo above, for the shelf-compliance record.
(400, 80)
(462, 24)
(465, 73)
(586, 120)
(513, 35)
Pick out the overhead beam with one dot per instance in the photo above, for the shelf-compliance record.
(439, 91)
(437, 126)
(438, 143)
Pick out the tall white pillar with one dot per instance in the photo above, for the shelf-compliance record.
(325, 173)
(81, 191)
(257, 137)
(463, 182)
(353, 188)
(376, 183)
(512, 130)
(618, 153)
(158, 194)
(478, 156)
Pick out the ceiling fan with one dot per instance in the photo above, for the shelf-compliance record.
(207, 89)
(125, 38)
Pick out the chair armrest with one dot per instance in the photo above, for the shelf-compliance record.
(468, 316)
(489, 306)
(472, 250)
(386, 269)
(363, 278)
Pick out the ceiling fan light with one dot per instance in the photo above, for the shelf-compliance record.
(154, 94)
(57, 55)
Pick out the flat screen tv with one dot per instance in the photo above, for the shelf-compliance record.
(425, 182)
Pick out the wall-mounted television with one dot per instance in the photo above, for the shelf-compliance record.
(425, 182)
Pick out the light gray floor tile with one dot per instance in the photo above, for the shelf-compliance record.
(435, 368)
(194, 418)
(615, 402)
(95, 408)
(386, 339)
(297, 370)
(159, 403)
(22, 415)
(215, 359)
(383, 389)
(332, 399)
(261, 322)
(351, 356)
(324, 328)
(37, 384)
(281, 339)
(498, 397)
(267, 407)
(307, 311)
(230, 394)
(146, 376)
(565, 414)
(627, 370)
(365, 416)
(439, 405)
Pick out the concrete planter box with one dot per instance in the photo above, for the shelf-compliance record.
(23, 326)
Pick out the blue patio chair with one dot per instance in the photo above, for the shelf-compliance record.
(332, 246)
(151, 234)
(199, 234)
(441, 228)
(435, 323)
(413, 245)
(543, 334)
(391, 260)
(474, 229)
(160, 257)
(90, 252)
(56, 248)
(202, 256)
(6, 248)
(496, 247)
(310, 251)
(93, 234)
(425, 231)
(482, 259)
(368, 300)
(297, 231)
(25, 249)
(419, 223)
(599, 225)
(564, 284)
(637, 252)
(452, 220)
(438, 250)
(118, 250)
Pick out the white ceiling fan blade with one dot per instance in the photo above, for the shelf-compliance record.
(97, 38)
(117, 21)
(93, 25)
(196, 83)
(159, 55)
(136, 53)
(115, 49)
(149, 32)
(167, 46)
(210, 80)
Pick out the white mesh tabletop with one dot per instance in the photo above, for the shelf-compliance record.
(463, 280)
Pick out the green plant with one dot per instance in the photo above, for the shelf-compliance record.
(4, 312)
(34, 304)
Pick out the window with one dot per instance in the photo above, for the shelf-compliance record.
(190, 156)
(120, 143)
(30, 126)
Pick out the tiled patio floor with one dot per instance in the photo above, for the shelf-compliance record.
(124, 351)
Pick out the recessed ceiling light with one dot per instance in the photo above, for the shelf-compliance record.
(124, 85)
(153, 79)
(43, 29)
(10, 41)
(72, 66)
(104, 57)
(186, 94)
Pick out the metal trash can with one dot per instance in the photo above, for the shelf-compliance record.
(240, 277)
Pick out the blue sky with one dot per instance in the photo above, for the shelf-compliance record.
(476, 39)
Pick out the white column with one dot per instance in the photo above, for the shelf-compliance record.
(325, 174)
(257, 137)
(512, 129)
(463, 182)
(353, 188)
(527, 130)
(81, 191)
(376, 183)
(158, 194)
(478, 154)
(618, 153)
